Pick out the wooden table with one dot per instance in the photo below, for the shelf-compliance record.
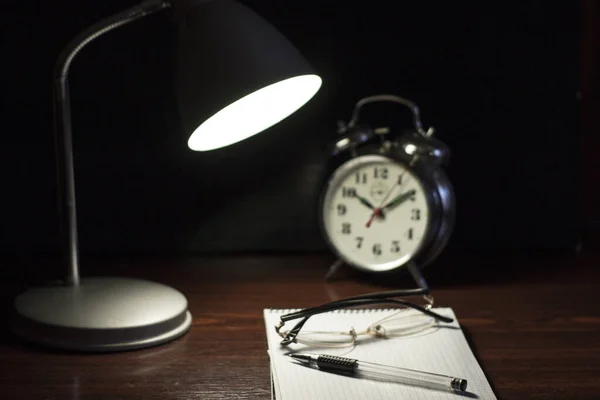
(533, 321)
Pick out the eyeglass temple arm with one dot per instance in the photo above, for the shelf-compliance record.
(417, 277)
(359, 302)
(412, 268)
(373, 298)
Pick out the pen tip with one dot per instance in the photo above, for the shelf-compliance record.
(304, 358)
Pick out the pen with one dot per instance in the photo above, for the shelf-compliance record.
(371, 370)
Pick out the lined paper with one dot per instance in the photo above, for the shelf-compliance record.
(443, 351)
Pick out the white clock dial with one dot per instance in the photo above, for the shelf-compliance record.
(375, 213)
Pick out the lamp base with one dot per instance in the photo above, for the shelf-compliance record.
(102, 314)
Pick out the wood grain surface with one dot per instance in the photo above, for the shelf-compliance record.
(533, 322)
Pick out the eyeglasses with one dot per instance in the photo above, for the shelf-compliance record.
(410, 319)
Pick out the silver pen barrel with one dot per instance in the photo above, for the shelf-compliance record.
(407, 376)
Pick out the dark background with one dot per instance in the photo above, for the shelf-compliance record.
(499, 81)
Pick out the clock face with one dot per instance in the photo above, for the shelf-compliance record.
(375, 213)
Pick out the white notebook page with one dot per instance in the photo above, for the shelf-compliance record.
(444, 351)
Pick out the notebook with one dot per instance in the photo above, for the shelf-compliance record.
(443, 351)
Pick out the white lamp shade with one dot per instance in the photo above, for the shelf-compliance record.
(254, 113)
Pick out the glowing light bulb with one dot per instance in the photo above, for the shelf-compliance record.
(254, 113)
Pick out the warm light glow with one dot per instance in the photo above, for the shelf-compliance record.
(254, 113)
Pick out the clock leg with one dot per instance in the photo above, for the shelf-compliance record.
(417, 276)
(333, 269)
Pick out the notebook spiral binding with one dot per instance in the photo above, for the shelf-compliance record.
(342, 311)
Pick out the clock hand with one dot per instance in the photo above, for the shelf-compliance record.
(378, 210)
(368, 204)
(364, 201)
(401, 198)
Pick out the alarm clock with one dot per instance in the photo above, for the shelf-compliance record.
(386, 201)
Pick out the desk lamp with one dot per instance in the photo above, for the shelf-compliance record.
(236, 76)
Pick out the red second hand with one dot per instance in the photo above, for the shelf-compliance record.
(376, 212)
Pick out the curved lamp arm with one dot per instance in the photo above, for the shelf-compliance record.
(62, 118)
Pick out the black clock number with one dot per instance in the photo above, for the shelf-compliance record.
(341, 209)
(410, 234)
(346, 228)
(395, 246)
(380, 173)
(359, 240)
(348, 192)
(361, 177)
(377, 249)
(416, 214)
(400, 179)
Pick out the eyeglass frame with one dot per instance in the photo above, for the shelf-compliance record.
(366, 299)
